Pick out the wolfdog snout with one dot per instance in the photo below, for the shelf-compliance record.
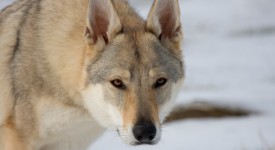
(144, 132)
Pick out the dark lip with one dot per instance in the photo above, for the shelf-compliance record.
(144, 143)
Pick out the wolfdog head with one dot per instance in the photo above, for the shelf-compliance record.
(135, 67)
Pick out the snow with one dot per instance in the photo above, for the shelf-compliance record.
(229, 49)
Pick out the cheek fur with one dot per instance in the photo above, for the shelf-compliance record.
(168, 105)
(101, 107)
(93, 97)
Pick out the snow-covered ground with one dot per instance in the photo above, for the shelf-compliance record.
(229, 49)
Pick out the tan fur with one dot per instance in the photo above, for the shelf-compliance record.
(131, 107)
(153, 107)
(10, 138)
(69, 68)
(129, 110)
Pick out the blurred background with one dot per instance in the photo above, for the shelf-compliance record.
(229, 52)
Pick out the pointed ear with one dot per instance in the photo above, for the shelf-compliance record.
(164, 20)
(102, 21)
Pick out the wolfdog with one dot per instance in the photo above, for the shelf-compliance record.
(70, 68)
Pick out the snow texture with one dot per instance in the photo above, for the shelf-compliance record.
(229, 50)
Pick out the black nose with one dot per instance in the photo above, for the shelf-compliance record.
(144, 132)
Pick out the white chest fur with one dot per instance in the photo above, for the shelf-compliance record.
(64, 127)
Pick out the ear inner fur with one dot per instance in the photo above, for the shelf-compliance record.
(102, 21)
(163, 19)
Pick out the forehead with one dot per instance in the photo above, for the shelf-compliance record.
(134, 47)
(137, 52)
(138, 49)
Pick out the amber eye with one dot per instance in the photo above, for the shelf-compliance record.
(160, 82)
(118, 84)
